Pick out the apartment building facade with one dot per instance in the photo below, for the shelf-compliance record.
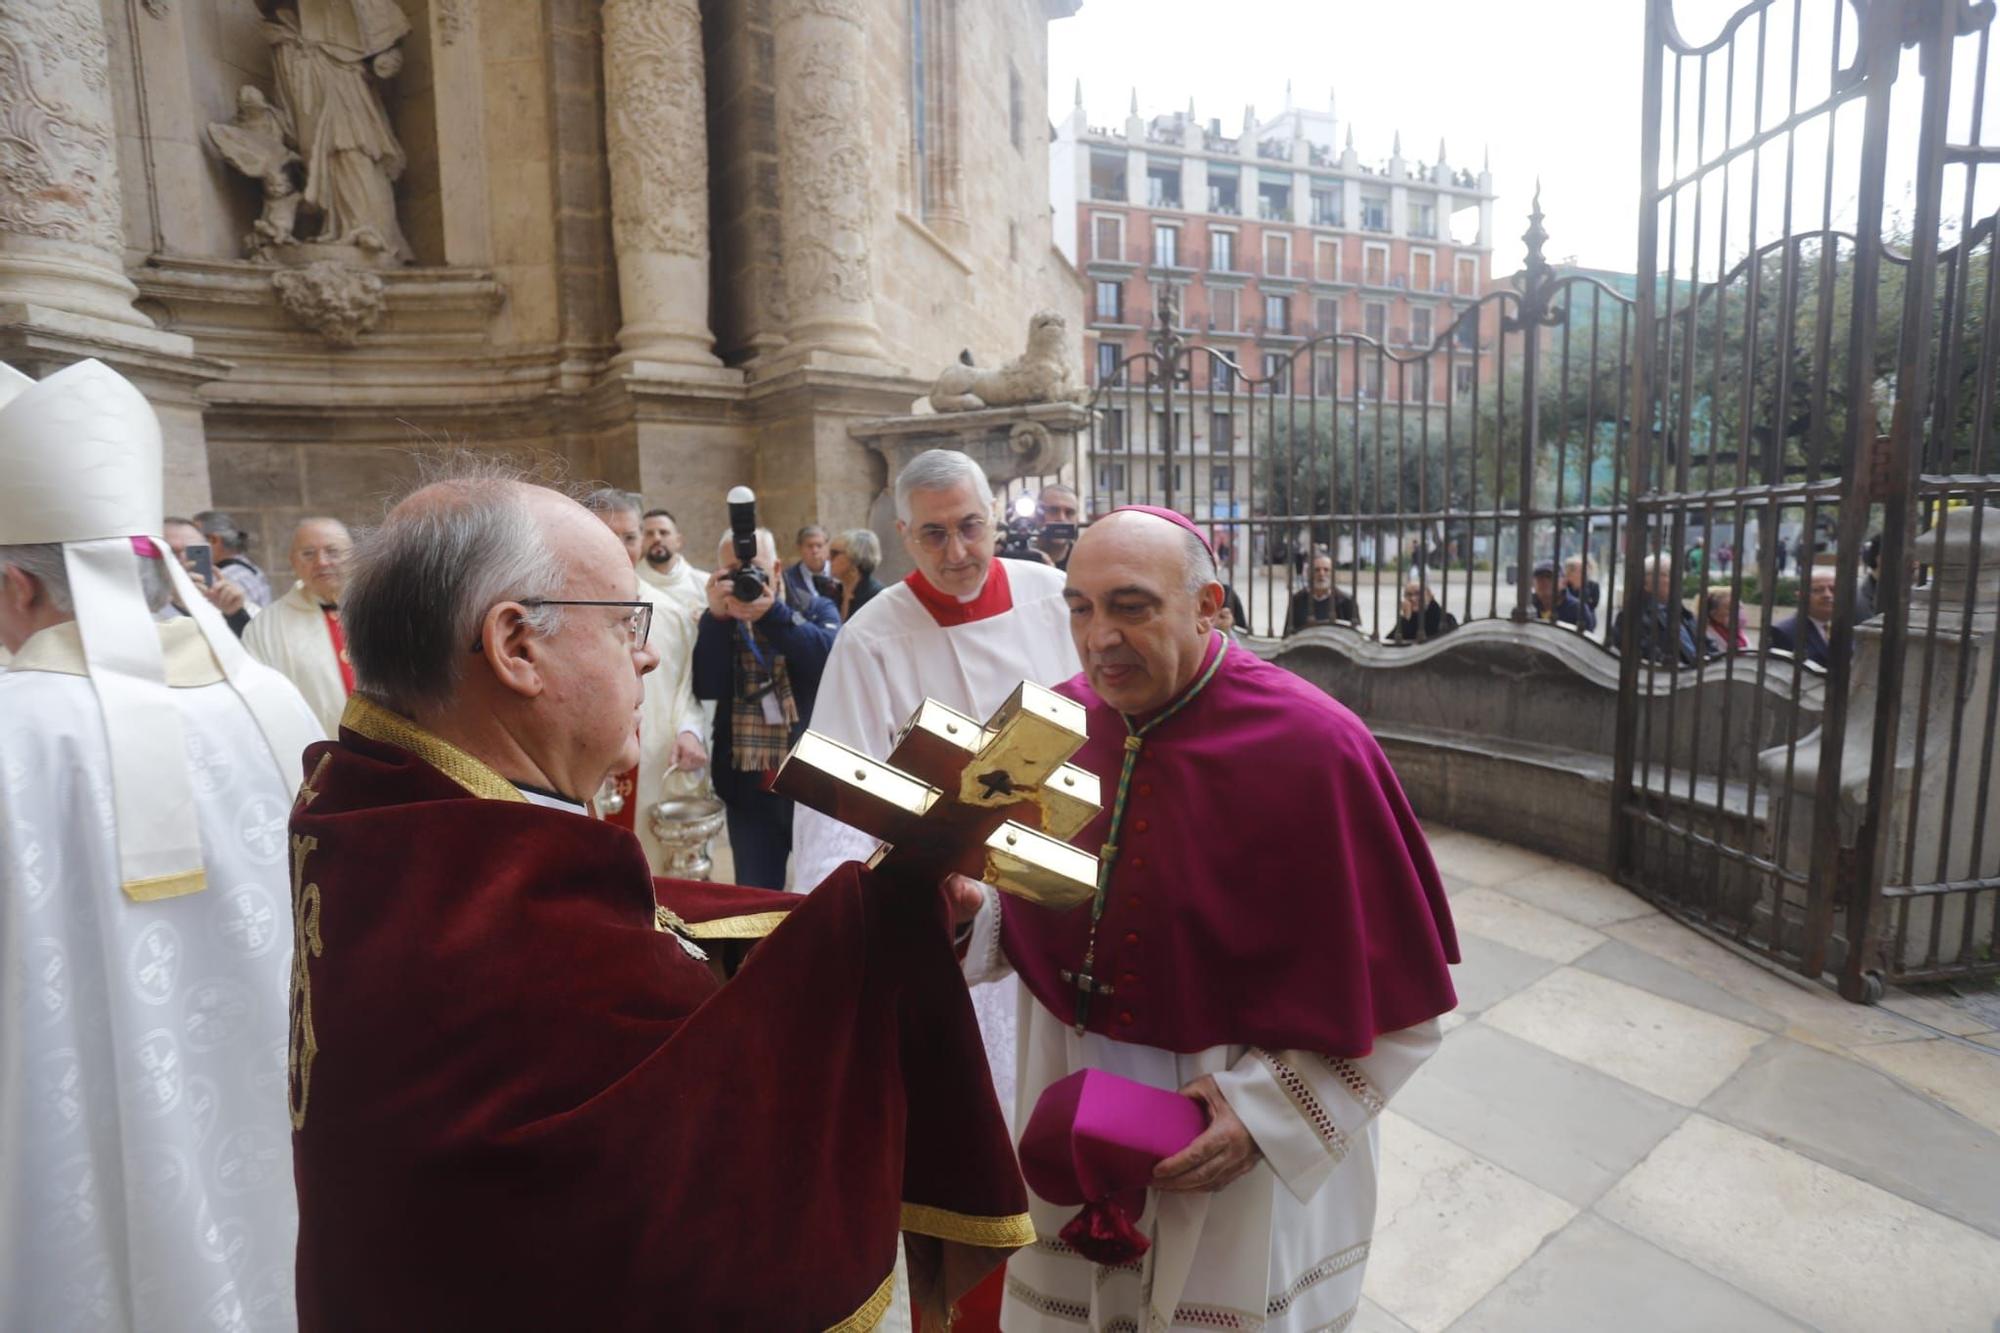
(1268, 240)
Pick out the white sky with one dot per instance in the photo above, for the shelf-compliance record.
(1551, 86)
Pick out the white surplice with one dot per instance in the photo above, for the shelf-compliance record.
(669, 709)
(145, 1145)
(290, 636)
(886, 661)
(1283, 1249)
(681, 581)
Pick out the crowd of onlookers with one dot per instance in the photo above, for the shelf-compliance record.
(1670, 629)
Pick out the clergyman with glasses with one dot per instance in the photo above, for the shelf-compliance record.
(509, 1054)
(964, 628)
(760, 661)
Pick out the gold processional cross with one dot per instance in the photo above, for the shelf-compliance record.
(997, 801)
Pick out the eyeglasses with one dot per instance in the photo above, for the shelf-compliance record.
(935, 537)
(638, 620)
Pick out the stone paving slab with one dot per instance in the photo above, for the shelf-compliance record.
(1505, 920)
(1584, 896)
(1811, 1013)
(1635, 967)
(1960, 1019)
(1959, 1074)
(1865, 1123)
(1569, 1129)
(1449, 1226)
(1595, 1276)
(1670, 1049)
(1491, 972)
(1821, 1246)
(1475, 861)
(1372, 1318)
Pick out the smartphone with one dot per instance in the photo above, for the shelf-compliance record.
(201, 562)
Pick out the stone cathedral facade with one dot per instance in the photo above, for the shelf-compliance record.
(676, 245)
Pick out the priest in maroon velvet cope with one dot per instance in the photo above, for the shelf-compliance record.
(522, 1098)
(1269, 937)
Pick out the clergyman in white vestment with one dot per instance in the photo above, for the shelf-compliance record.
(672, 758)
(299, 635)
(965, 629)
(147, 770)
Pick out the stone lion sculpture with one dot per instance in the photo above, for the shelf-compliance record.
(1041, 374)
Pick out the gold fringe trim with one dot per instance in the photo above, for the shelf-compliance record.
(365, 717)
(871, 1311)
(177, 885)
(749, 926)
(1011, 1233)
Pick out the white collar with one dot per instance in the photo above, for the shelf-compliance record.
(543, 798)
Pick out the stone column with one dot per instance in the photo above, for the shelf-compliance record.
(62, 238)
(656, 136)
(825, 176)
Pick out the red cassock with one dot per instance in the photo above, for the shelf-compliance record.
(518, 1104)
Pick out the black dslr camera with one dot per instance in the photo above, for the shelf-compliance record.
(749, 581)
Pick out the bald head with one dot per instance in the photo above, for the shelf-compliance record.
(320, 547)
(1143, 600)
(502, 615)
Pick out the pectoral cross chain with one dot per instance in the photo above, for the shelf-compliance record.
(1086, 986)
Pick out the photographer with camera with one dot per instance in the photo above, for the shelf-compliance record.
(759, 651)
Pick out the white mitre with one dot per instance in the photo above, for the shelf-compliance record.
(80, 452)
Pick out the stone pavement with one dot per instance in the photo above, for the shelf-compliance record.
(1632, 1128)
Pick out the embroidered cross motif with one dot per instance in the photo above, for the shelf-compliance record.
(996, 801)
(303, 1046)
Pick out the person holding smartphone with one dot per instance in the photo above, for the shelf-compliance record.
(197, 557)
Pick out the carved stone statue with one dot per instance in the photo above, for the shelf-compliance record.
(258, 143)
(326, 58)
(1041, 374)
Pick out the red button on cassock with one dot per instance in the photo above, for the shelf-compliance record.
(1126, 1018)
(1145, 789)
(1140, 827)
(1128, 977)
(1132, 938)
(1138, 863)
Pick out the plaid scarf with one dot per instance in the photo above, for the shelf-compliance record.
(757, 746)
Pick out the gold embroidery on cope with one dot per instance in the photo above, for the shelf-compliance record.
(306, 942)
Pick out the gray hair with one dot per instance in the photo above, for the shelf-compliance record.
(809, 530)
(422, 581)
(864, 550)
(1200, 563)
(43, 562)
(1060, 488)
(610, 500)
(940, 470)
(221, 529)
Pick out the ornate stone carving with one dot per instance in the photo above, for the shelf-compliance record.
(257, 142)
(454, 18)
(58, 167)
(338, 301)
(655, 126)
(327, 58)
(1042, 374)
(823, 156)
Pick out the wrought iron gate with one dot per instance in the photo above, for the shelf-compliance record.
(1806, 375)
(1796, 369)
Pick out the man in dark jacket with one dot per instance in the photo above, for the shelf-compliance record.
(1419, 617)
(1667, 632)
(1558, 603)
(1805, 634)
(1318, 603)
(761, 661)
